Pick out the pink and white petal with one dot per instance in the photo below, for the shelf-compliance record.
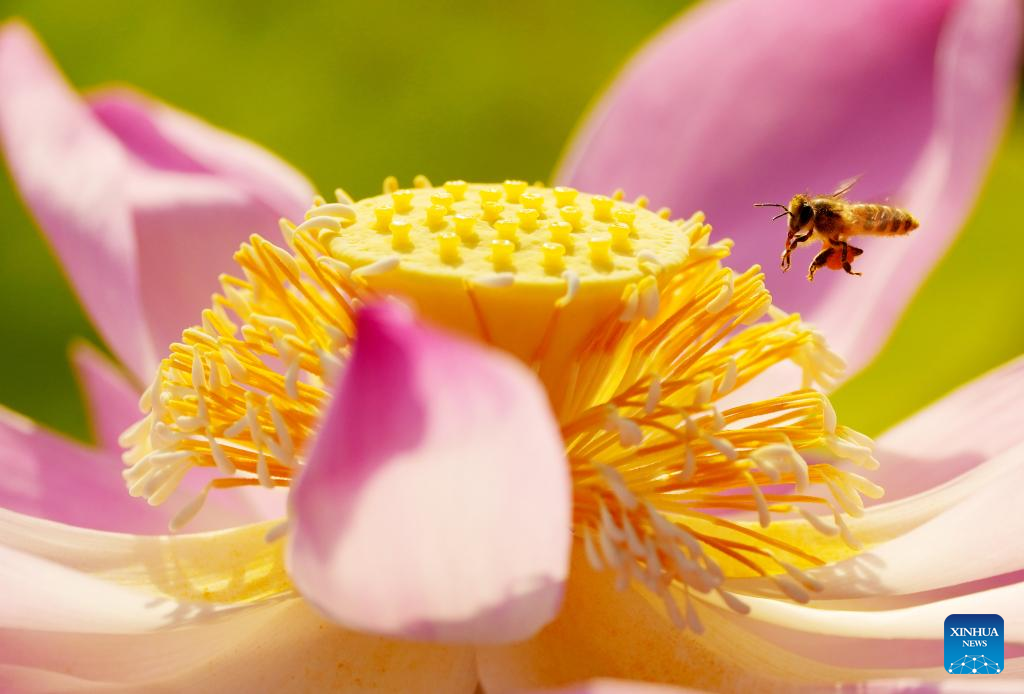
(973, 538)
(73, 175)
(171, 140)
(670, 128)
(435, 503)
(947, 516)
(50, 477)
(275, 646)
(187, 228)
(98, 634)
(47, 476)
(111, 399)
(222, 569)
(199, 612)
(877, 641)
(972, 424)
(107, 206)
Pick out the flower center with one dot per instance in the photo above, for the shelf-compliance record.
(530, 269)
(629, 319)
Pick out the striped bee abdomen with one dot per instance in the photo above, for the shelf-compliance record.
(882, 219)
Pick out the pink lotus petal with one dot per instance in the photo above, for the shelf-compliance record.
(270, 647)
(114, 209)
(864, 635)
(972, 424)
(970, 540)
(172, 140)
(112, 401)
(436, 500)
(86, 617)
(45, 476)
(915, 103)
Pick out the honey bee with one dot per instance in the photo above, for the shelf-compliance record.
(833, 220)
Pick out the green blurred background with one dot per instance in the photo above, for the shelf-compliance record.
(351, 92)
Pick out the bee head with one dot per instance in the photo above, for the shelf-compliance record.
(801, 214)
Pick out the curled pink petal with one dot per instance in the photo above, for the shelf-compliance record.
(910, 94)
(436, 501)
(118, 185)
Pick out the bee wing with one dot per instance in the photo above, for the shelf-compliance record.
(845, 186)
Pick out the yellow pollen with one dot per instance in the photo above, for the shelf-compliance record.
(600, 250)
(465, 226)
(631, 322)
(457, 189)
(533, 201)
(400, 235)
(490, 194)
(561, 232)
(402, 200)
(501, 254)
(553, 253)
(528, 219)
(620, 237)
(624, 215)
(436, 217)
(565, 196)
(507, 229)
(602, 208)
(444, 199)
(448, 247)
(513, 189)
(574, 216)
(383, 216)
(491, 211)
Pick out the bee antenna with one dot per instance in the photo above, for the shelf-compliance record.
(785, 210)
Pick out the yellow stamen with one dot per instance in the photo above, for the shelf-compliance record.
(629, 320)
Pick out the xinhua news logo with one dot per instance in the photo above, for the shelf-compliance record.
(974, 644)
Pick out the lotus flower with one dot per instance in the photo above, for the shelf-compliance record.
(468, 488)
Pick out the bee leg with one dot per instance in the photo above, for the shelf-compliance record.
(849, 250)
(819, 261)
(792, 246)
